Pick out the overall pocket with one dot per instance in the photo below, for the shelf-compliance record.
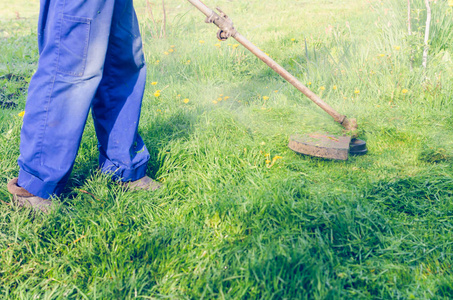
(74, 39)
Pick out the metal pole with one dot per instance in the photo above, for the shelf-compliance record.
(201, 7)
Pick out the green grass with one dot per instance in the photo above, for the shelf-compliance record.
(227, 224)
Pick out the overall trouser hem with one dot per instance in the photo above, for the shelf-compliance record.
(38, 187)
(123, 174)
(135, 174)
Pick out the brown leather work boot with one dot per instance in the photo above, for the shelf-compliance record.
(144, 183)
(24, 199)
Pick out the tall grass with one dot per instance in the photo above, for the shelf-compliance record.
(240, 215)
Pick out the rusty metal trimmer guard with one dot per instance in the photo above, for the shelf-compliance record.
(321, 145)
(327, 146)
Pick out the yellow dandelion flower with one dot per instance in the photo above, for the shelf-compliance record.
(404, 91)
(293, 40)
(172, 46)
(170, 50)
(277, 157)
(157, 62)
(157, 93)
(188, 62)
(221, 95)
(356, 92)
(219, 99)
(217, 45)
(166, 53)
(179, 95)
(186, 100)
(235, 46)
(334, 87)
(268, 161)
(265, 98)
(159, 110)
(226, 98)
(276, 91)
(322, 88)
(215, 102)
(21, 114)
(154, 83)
(381, 55)
(309, 83)
(397, 48)
(345, 98)
(201, 42)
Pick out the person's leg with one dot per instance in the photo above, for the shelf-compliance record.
(117, 104)
(73, 38)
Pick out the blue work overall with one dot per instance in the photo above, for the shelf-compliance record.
(90, 57)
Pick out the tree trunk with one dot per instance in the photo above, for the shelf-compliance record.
(428, 24)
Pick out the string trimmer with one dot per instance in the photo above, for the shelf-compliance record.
(316, 144)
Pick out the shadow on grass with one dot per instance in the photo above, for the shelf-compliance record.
(156, 132)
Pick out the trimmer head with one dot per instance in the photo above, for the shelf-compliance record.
(327, 145)
(357, 147)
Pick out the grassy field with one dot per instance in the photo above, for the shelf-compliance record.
(240, 215)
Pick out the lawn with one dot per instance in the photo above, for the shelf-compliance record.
(240, 215)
